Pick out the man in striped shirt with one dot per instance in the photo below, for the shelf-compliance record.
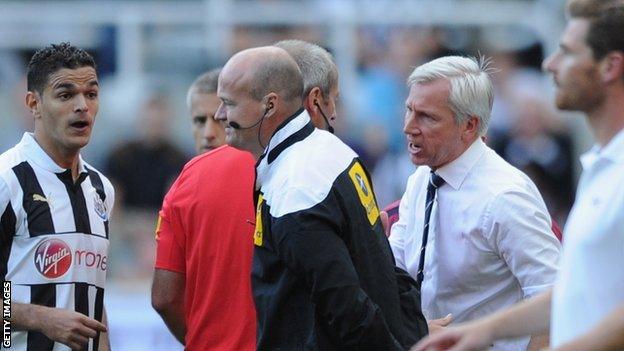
(54, 211)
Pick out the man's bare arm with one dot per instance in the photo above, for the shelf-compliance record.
(168, 300)
(607, 335)
(104, 336)
(529, 317)
(539, 342)
(67, 327)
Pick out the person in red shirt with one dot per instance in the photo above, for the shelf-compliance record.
(202, 285)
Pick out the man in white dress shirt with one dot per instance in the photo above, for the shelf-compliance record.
(481, 223)
(585, 309)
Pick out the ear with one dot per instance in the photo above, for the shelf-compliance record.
(315, 95)
(471, 128)
(612, 67)
(271, 104)
(32, 102)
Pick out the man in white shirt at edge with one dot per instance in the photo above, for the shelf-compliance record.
(585, 309)
(489, 240)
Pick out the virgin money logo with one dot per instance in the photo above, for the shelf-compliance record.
(53, 258)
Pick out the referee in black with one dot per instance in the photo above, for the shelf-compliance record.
(54, 211)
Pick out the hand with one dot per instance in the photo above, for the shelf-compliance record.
(468, 337)
(440, 324)
(384, 222)
(68, 327)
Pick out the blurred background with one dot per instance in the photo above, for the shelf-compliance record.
(149, 52)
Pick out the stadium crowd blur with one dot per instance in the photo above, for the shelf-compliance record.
(144, 135)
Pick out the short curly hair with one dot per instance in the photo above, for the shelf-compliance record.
(50, 59)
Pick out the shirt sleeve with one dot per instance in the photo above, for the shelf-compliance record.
(7, 227)
(110, 196)
(309, 244)
(170, 236)
(397, 231)
(519, 228)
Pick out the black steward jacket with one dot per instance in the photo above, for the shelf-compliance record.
(323, 272)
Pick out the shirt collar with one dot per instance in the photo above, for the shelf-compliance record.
(36, 154)
(455, 172)
(295, 128)
(613, 151)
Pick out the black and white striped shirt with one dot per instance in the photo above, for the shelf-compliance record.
(53, 236)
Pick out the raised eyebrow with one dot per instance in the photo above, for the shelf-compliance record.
(72, 86)
(67, 86)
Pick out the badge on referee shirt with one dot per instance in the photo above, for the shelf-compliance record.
(157, 230)
(365, 192)
(258, 231)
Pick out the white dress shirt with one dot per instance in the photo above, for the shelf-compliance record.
(590, 284)
(490, 239)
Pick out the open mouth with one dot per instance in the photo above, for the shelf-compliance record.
(79, 124)
(413, 148)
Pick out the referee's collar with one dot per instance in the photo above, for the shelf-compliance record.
(295, 128)
(36, 154)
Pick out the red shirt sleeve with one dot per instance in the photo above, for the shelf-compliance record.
(170, 236)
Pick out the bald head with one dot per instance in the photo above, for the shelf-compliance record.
(264, 70)
(259, 89)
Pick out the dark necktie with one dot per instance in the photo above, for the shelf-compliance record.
(435, 181)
